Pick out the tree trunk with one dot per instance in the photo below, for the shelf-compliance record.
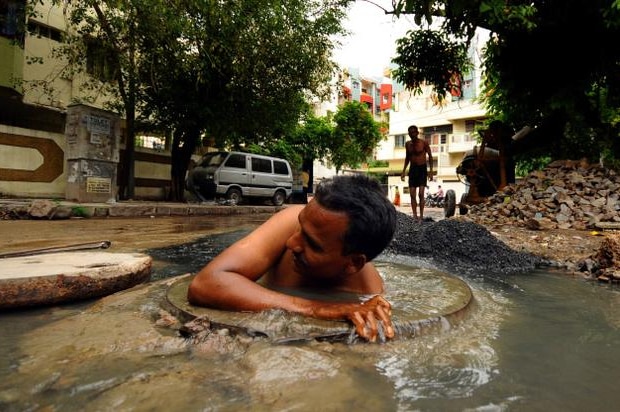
(181, 155)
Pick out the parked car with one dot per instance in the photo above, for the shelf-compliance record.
(237, 175)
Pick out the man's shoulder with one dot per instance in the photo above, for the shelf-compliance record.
(290, 210)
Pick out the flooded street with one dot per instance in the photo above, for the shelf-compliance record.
(126, 234)
(531, 342)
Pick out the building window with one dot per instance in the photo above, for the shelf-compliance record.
(101, 62)
(470, 125)
(11, 18)
(400, 140)
(41, 30)
(469, 91)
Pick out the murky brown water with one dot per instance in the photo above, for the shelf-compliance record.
(126, 234)
(538, 342)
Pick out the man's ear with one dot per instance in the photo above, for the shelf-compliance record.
(356, 263)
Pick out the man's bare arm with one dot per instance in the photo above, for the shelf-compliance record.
(430, 160)
(402, 175)
(228, 281)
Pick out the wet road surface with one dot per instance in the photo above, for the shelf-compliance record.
(125, 234)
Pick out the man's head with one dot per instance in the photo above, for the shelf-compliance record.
(372, 217)
(413, 131)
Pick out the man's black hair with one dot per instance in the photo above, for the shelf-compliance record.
(372, 217)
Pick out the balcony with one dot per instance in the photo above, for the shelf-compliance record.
(460, 143)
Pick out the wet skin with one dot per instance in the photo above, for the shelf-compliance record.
(299, 247)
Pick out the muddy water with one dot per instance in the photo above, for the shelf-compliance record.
(539, 342)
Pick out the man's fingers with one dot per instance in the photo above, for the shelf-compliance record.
(360, 324)
(383, 303)
(387, 323)
(365, 320)
(371, 322)
(383, 310)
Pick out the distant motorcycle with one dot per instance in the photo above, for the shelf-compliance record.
(433, 201)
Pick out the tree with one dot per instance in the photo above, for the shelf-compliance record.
(355, 135)
(235, 71)
(241, 87)
(446, 60)
(549, 64)
(103, 40)
(313, 137)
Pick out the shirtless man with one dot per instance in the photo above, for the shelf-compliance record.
(325, 246)
(416, 152)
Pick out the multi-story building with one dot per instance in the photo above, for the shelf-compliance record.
(449, 127)
(373, 91)
(36, 92)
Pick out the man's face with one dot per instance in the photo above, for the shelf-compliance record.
(318, 242)
(413, 133)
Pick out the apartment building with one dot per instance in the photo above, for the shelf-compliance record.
(37, 90)
(373, 91)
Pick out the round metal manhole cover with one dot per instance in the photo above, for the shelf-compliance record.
(53, 278)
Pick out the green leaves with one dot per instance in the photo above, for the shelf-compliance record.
(355, 136)
(551, 64)
(430, 57)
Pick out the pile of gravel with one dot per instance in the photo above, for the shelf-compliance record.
(458, 247)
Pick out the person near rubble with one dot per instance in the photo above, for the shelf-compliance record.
(325, 246)
(416, 151)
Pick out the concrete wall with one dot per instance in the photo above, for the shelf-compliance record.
(32, 165)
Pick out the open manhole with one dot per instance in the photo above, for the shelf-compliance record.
(422, 301)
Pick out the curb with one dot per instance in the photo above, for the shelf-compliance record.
(16, 209)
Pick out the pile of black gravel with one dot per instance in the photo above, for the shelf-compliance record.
(459, 247)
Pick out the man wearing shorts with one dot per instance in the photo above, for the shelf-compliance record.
(416, 152)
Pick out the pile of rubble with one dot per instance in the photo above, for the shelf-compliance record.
(565, 195)
(604, 265)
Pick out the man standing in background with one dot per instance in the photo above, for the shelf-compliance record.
(416, 151)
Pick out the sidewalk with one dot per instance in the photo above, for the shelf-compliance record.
(61, 209)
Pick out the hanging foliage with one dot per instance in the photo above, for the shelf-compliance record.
(429, 57)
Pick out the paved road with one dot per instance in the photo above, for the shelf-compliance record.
(435, 213)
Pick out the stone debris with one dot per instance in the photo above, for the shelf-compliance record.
(46, 209)
(604, 265)
(565, 195)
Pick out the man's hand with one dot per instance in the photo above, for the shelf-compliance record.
(402, 176)
(430, 176)
(366, 316)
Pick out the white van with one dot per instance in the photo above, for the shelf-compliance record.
(235, 175)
